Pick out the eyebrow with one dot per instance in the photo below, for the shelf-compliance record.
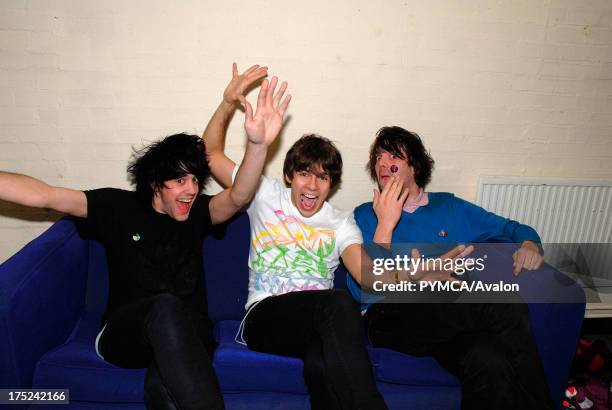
(319, 174)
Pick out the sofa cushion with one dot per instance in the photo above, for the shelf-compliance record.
(240, 369)
(67, 366)
(231, 360)
(398, 368)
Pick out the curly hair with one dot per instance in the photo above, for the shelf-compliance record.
(170, 158)
(405, 145)
(312, 150)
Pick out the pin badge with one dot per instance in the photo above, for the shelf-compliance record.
(394, 168)
(442, 233)
(136, 237)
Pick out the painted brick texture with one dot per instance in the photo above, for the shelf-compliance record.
(494, 88)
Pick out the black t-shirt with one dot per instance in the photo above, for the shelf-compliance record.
(147, 252)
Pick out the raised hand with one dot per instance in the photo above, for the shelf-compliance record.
(265, 124)
(241, 82)
(389, 203)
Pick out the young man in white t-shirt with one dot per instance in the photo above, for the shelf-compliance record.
(297, 240)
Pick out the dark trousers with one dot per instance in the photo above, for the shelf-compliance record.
(324, 329)
(173, 343)
(489, 347)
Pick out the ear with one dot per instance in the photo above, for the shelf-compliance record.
(287, 179)
(156, 190)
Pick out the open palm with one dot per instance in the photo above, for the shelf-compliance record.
(265, 124)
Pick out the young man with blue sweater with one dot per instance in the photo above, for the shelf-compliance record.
(489, 347)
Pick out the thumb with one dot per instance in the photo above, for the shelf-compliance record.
(247, 107)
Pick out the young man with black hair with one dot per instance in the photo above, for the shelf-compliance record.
(156, 315)
(489, 347)
(297, 240)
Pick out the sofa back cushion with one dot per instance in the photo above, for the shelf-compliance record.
(226, 254)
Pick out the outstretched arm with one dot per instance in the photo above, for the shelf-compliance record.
(262, 127)
(214, 134)
(28, 191)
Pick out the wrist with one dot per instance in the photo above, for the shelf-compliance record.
(255, 147)
(228, 106)
(385, 226)
(530, 245)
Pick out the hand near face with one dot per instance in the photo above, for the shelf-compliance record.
(389, 203)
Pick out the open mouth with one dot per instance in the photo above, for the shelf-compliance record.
(184, 205)
(308, 201)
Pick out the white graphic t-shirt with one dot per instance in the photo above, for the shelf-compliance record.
(290, 252)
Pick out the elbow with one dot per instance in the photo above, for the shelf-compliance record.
(240, 200)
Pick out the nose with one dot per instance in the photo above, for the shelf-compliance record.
(312, 182)
(192, 187)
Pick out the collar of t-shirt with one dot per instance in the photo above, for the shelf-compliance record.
(421, 199)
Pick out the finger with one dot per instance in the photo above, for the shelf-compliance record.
(390, 187)
(397, 190)
(234, 69)
(535, 261)
(284, 105)
(519, 262)
(539, 261)
(404, 196)
(257, 74)
(251, 69)
(453, 253)
(248, 109)
(279, 94)
(263, 93)
(273, 83)
(465, 252)
(528, 260)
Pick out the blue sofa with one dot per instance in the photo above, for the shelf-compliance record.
(54, 290)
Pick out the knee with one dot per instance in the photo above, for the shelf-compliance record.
(165, 306)
(514, 315)
(341, 301)
(314, 369)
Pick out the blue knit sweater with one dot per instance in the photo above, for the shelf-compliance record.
(445, 220)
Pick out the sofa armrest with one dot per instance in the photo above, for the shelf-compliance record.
(556, 324)
(556, 328)
(42, 294)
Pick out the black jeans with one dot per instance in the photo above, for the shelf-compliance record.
(173, 343)
(324, 329)
(489, 347)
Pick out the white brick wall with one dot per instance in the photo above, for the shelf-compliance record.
(505, 88)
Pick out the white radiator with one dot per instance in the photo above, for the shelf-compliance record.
(562, 211)
(574, 220)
